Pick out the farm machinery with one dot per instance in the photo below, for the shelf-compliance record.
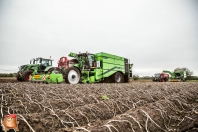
(176, 76)
(84, 68)
(41, 70)
(99, 67)
(161, 77)
(38, 65)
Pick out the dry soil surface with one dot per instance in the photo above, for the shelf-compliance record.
(145, 106)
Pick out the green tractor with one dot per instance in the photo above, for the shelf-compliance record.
(36, 66)
(54, 74)
(100, 67)
(177, 76)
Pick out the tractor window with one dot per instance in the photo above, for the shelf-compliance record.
(157, 75)
(50, 62)
(37, 61)
(46, 62)
(91, 60)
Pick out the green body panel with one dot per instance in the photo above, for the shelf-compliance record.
(110, 64)
(48, 78)
(91, 76)
(54, 78)
(38, 77)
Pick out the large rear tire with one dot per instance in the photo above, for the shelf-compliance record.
(72, 75)
(26, 76)
(118, 78)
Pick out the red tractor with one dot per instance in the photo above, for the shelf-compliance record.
(161, 77)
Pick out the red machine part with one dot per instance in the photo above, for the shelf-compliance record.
(164, 77)
(63, 62)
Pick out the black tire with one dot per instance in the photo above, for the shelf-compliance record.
(72, 75)
(118, 78)
(26, 75)
(126, 79)
(18, 77)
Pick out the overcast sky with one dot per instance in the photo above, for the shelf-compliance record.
(155, 35)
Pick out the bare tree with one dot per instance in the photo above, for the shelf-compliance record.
(188, 71)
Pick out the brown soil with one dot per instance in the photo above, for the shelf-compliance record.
(6, 80)
(147, 106)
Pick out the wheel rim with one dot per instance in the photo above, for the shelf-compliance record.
(28, 76)
(73, 77)
(117, 78)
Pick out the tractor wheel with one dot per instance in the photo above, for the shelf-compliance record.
(72, 75)
(118, 77)
(18, 77)
(26, 75)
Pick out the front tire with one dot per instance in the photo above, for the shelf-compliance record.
(26, 75)
(72, 75)
(18, 77)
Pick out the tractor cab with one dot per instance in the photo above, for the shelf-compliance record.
(42, 63)
(156, 76)
(177, 75)
(32, 61)
(86, 60)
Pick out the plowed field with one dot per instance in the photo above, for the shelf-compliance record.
(138, 106)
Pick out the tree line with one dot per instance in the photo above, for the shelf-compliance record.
(7, 74)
